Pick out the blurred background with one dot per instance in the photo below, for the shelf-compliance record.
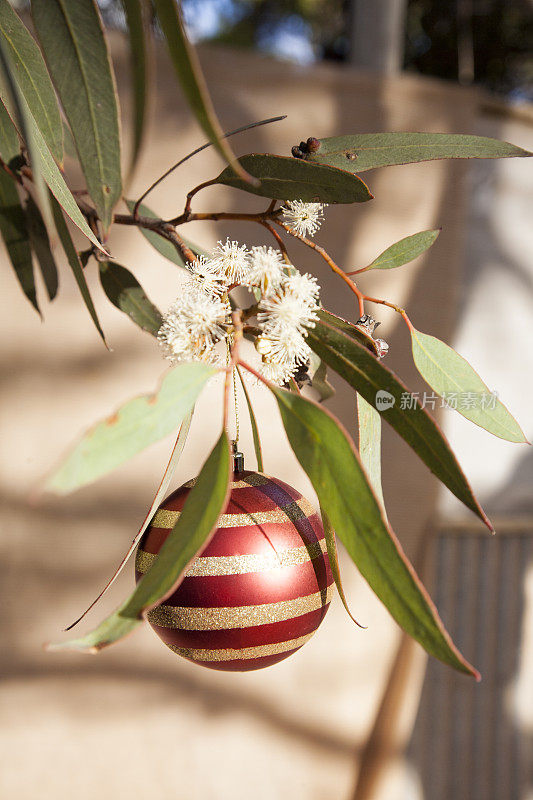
(356, 713)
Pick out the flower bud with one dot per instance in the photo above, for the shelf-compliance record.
(263, 345)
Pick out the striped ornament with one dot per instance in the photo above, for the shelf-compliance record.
(259, 589)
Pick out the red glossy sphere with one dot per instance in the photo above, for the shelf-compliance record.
(258, 590)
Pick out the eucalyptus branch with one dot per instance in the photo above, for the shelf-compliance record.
(185, 251)
(253, 372)
(279, 240)
(396, 308)
(216, 216)
(329, 261)
(190, 195)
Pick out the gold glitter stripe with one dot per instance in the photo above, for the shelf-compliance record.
(240, 565)
(251, 480)
(164, 518)
(293, 511)
(224, 618)
(230, 654)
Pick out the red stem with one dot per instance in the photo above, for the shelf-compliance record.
(329, 261)
(396, 308)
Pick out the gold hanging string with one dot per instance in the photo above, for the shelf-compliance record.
(235, 399)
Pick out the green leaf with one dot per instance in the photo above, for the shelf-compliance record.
(68, 141)
(74, 47)
(285, 178)
(17, 107)
(137, 424)
(112, 629)
(404, 251)
(331, 546)
(15, 234)
(331, 463)
(253, 423)
(40, 244)
(359, 152)
(452, 377)
(163, 246)
(56, 183)
(45, 168)
(369, 426)
(368, 377)
(135, 11)
(74, 263)
(192, 81)
(158, 499)
(9, 140)
(196, 523)
(28, 68)
(127, 294)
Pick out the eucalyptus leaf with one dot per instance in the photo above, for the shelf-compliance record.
(72, 38)
(404, 251)
(452, 377)
(68, 141)
(331, 463)
(16, 238)
(253, 423)
(74, 263)
(163, 246)
(9, 140)
(126, 293)
(349, 328)
(40, 245)
(56, 183)
(44, 165)
(331, 546)
(369, 427)
(196, 523)
(382, 389)
(138, 30)
(283, 178)
(192, 81)
(363, 151)
(29, 70)
(137, 424)
(17, 107)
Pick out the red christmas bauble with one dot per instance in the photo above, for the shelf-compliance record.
(258, 590)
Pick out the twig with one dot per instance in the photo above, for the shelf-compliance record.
(279, 240)
(396, 308)
(216, 216)
(254, 372)
(329, 261)
(190, 195)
